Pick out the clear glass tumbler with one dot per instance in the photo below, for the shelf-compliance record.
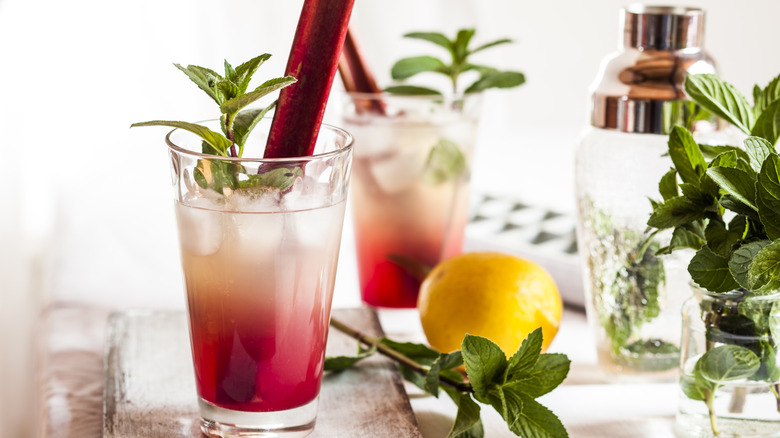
(259, 245)
(410, 195)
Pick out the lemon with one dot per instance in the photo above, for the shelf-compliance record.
(494, 295)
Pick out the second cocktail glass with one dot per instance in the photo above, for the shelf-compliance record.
(259, 243)
(410, 195)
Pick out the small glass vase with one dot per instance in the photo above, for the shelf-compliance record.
(730, 379)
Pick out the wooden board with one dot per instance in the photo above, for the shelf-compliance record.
(149, 387)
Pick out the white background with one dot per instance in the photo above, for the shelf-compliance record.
(85, 209)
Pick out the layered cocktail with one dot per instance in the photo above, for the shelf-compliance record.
(259, 244)
(410, 195)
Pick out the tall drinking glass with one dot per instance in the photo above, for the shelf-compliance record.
(410, 196)
(259, 246)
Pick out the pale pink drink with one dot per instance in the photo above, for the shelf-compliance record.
(259, 266)
(410, 194)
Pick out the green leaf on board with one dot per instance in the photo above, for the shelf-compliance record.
(340, 363)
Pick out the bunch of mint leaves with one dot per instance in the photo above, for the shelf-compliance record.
(460, 52)
(230, 92)
(726, 206)
(509, 386)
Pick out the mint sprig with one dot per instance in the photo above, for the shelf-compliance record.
(229, 91)
(459, 63)
(510, 386)
(724, 202)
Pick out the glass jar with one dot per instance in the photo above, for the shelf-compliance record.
(730, 371)
(633, 296)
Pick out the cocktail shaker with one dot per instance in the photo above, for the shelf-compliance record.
(633, 296)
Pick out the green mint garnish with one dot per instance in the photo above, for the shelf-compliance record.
(459, 51)
(509, 386)
(732, 194)
(445, 162)
(236, 123)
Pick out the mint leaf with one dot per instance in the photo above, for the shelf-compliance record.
(685, 236)
(485, 363)
(549, 371)
(460, 46)
(412, 90)
(204, 78)
(234, 105)
(536, 421)
(408, 67)
(245, 122)
(214, 139)
(727, 363)
(741, 260)
(245, 71)
(340, 363)
(668, 185)
(764, 272)
(281, 178)
(459, 51)
(468, 423)
(768, 123)
(720, 239)
(762, 98)
(711, 152)
(711, 271)
(497, 79)
(768, 196)
(686, 156)
(445, 162)
(758, 149)
(434, 37)
(736, 183)
(445, 361)
(526, 355)
(489, 45)
(720, 98)
(675, 212)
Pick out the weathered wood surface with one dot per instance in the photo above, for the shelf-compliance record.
(149, 386)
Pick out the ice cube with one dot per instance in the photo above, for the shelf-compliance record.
(200, 226)
(401, 169)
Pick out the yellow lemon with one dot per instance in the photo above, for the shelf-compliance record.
(494, 295)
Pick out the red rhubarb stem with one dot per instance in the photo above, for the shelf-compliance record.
(313, 60)
(356, 75)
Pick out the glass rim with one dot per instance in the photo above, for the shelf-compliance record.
(349, 141)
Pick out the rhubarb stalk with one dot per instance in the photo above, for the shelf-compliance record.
(357, 77)
(313, 60)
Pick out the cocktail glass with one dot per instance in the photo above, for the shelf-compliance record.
(410, 195)
(259, 264)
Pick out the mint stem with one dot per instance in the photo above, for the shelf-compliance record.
(373, 341)
(229, 132)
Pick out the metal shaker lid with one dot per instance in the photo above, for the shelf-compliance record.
(640, 89)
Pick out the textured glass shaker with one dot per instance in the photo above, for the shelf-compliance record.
(633, 296)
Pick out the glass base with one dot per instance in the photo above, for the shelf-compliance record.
(226, 423)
